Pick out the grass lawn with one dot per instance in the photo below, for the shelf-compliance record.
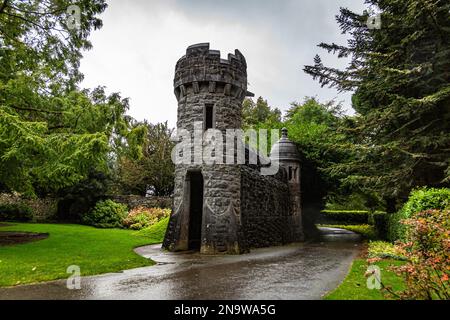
(94, 250)
(354, 285)
(156, 232)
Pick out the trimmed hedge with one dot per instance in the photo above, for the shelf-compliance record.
(380, 222)
(15, 212)
(345, 216)
(419, 200)
(377, 219)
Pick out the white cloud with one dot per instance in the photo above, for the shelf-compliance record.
(136, 50)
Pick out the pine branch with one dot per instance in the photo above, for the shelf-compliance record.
(3, 6)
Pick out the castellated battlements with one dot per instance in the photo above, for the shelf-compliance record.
(202, 69)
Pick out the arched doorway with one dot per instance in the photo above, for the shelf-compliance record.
(195, 209)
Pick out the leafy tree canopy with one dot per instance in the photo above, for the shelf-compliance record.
(313, 126)
(259, 112)
(259, 115)
(52, 133)
(154, 171)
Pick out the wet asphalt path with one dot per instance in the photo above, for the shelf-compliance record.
(298, 271)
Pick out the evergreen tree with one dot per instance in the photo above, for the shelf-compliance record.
(400, 73)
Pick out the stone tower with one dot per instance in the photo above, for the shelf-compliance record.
(286, 154)
(206, 210)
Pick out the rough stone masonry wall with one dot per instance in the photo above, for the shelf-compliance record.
(134, 201)
(191, 107)
(221, 225)
(265, 208)
(44, 209)
(222, 209)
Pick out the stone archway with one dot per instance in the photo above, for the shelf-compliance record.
(195, 180)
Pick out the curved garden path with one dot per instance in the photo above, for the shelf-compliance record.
(298, 271)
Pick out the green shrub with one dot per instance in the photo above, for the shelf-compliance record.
(427, 249)
(142, 217)
(15, 212)
(419, 200)
(106, 214)
(345, 216)
(139, 221)
(384, 250)
(380, 222)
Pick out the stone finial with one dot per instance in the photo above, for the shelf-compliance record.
(284, 149)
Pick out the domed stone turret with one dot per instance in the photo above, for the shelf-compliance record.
(285, 152)
(284, 149)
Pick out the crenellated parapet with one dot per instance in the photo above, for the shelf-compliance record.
(203, 69)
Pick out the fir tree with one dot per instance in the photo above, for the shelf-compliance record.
(400, 73)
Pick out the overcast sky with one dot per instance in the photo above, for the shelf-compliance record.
(136, 50)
